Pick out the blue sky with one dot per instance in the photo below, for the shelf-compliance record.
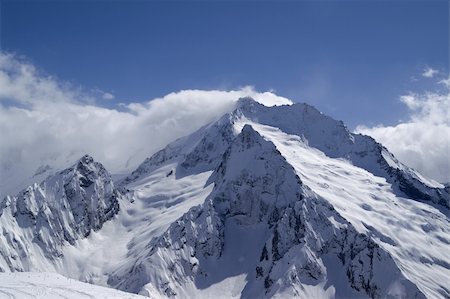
(350, 59)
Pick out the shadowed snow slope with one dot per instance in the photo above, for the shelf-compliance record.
(265, 202)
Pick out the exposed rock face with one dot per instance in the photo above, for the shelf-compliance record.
(207, 153)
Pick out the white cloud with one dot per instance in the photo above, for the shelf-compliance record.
(423, 141)
(44, 121)
(445, 82)
(428, 72)
(21, 83)
(107, 96)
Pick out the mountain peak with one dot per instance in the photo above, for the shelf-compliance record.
(268, 100)
(248, 135)
(66, 206)
(247, 105)
(87, 171)
(87, 164)
(86, 159)
(262, 221)
(246, 101)
(248, 130)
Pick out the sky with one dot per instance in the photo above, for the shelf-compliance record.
(350, 59)
(380, 66)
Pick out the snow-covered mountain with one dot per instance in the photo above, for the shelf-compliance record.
(43, 218)
(265, 202)
(262, 223)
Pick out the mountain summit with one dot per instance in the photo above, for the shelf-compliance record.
(279, 201)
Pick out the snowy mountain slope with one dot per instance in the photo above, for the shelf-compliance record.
(344, 224)
(203, 152)
(203, 148)
(153, 203)
(195, 153)
(150, 206)
(28, 285)
(288, 235)
(417, 235)
(334, 139)
(41, 219)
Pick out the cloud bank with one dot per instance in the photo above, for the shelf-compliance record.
(44, 121)
(423, 141)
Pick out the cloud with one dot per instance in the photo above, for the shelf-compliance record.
(108, 96)
(428, 72)
(445, 82)
(21, 83)
(46, 121)
(423, 141)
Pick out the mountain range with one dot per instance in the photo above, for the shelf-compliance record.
(265, 202)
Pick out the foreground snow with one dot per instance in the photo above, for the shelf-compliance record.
(24, 285)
